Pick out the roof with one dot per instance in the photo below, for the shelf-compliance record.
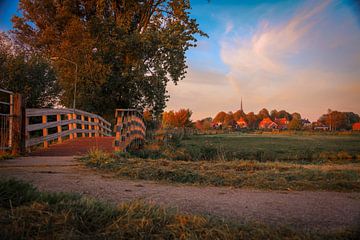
(267, 122)
(281, 121)
(356, 126)
(241, 120)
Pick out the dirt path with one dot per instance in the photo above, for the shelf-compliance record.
(315, 210)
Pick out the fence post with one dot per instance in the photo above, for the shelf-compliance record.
(17, 124)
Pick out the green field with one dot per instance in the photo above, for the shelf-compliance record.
(276, 162)
(271, 147)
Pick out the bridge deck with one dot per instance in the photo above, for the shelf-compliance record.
(77, 146)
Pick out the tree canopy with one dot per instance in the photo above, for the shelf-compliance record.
(180, 119)
(126, 51)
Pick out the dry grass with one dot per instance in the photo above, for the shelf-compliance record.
(237, 173)
(5, 156)
(64, 216)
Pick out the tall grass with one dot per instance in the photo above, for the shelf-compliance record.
(41, 215)
(237, 173)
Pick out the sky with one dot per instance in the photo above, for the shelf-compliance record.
(301, 56)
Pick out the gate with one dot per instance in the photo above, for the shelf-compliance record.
(6, 119)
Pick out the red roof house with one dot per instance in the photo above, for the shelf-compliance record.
(282, 123)
(267, 123)
(241, 123)
(356, 126)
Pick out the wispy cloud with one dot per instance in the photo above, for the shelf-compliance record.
(303, 59)
(264, 67)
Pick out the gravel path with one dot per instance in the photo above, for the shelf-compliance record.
(309, 210)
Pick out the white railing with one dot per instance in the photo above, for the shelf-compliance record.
(69, 123)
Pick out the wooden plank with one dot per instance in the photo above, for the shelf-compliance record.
(39, 126)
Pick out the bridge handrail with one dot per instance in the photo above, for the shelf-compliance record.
(96, 125)
(129, 128)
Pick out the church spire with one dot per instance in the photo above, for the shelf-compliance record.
(241, 105)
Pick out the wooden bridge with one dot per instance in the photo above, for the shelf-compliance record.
(64, 132)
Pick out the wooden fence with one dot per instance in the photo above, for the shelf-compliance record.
(44, 126)
(130, 128)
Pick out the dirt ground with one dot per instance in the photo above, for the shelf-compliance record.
(306, 210)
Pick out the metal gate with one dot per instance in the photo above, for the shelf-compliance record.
(6, 119)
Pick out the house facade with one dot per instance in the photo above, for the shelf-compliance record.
(267, 123)
(241, 123)
(356, 126)
(282, 123)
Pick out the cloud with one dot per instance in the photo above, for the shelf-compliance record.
(229, 27)
(280, 66)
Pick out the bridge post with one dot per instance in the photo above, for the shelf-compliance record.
(90, 127)
(45, 131)
(70, 125)
(82, 124)
(18, 120)
(74, 117)
(59, 130)
(96, 127)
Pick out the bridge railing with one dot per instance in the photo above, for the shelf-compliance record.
(48, 125)
(130, 128)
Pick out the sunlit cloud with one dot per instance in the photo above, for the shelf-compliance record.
(262, 68)
(306, 61)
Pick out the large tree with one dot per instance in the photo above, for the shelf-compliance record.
(28, 74)
(126, 50)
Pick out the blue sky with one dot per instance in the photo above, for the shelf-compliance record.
(302, 56)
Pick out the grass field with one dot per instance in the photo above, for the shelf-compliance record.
(26, 213)
(276, 162)
(314, 148)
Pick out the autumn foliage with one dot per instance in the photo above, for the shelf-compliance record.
(179, 119)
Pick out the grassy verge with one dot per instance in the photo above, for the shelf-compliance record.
(26, 213)
(237, 173)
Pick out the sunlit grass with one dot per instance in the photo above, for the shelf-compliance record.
(236, 173)
(26, 213)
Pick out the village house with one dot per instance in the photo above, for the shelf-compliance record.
(217, 125)
(241, 123)
(320, 126)
(356, 126)
(282, 123)
(267, 123)
(306, 123)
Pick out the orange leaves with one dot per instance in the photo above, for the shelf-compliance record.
(173, 119)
